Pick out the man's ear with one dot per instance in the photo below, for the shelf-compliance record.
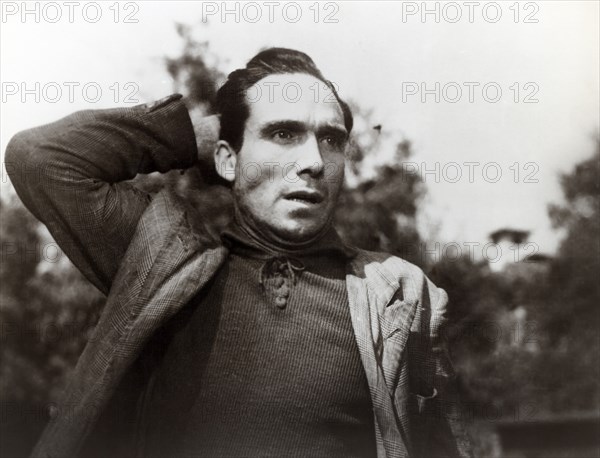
(225, 160)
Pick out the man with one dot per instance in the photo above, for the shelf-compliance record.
(275, 340)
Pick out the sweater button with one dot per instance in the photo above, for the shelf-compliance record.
(284, 291)
(280, 302)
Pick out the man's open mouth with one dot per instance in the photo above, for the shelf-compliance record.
(309, 197)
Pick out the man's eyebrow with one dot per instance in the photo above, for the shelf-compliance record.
(333, 129)
(298, 126)
(270, 127)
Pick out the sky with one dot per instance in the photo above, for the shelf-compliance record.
(497, 98)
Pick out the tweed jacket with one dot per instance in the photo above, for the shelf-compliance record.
(151, 254)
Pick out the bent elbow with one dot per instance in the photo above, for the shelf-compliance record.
(16, 156)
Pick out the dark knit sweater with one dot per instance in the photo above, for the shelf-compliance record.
(263, 363)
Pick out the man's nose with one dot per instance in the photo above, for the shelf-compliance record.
(309, 160)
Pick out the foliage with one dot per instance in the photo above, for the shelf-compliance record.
(379, 213)
(545, 363)
(47, 309)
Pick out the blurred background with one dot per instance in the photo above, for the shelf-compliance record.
(494, 193)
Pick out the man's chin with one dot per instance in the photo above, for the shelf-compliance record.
(299, 232)
(283, 227)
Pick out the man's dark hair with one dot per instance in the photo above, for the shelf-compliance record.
(231, 97)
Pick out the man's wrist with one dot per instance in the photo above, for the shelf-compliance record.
(206, 131)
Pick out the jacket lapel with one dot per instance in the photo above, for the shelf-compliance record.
(382, 304)
(184, 259)
(391, 302)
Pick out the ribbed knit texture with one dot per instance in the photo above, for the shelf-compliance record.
(244, 377)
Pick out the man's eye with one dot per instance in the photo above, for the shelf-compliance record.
(283, 135)
(334, 141)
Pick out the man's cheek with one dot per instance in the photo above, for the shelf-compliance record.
(249, 176)
(334, 175)
(273, 171)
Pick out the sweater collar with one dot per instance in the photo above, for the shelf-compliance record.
(240, 239)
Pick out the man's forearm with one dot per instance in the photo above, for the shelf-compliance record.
(69, 175)
(108, 145)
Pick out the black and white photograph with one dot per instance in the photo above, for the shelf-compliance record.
(311, 229)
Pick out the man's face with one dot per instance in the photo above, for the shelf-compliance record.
(290, 169)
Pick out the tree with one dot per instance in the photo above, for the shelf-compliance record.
(379, 213)
(570, 314)
(47, 309)
(558, 373)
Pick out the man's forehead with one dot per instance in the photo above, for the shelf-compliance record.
(294, 96)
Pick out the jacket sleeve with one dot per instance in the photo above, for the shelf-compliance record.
(438, 419)
(70, 174)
